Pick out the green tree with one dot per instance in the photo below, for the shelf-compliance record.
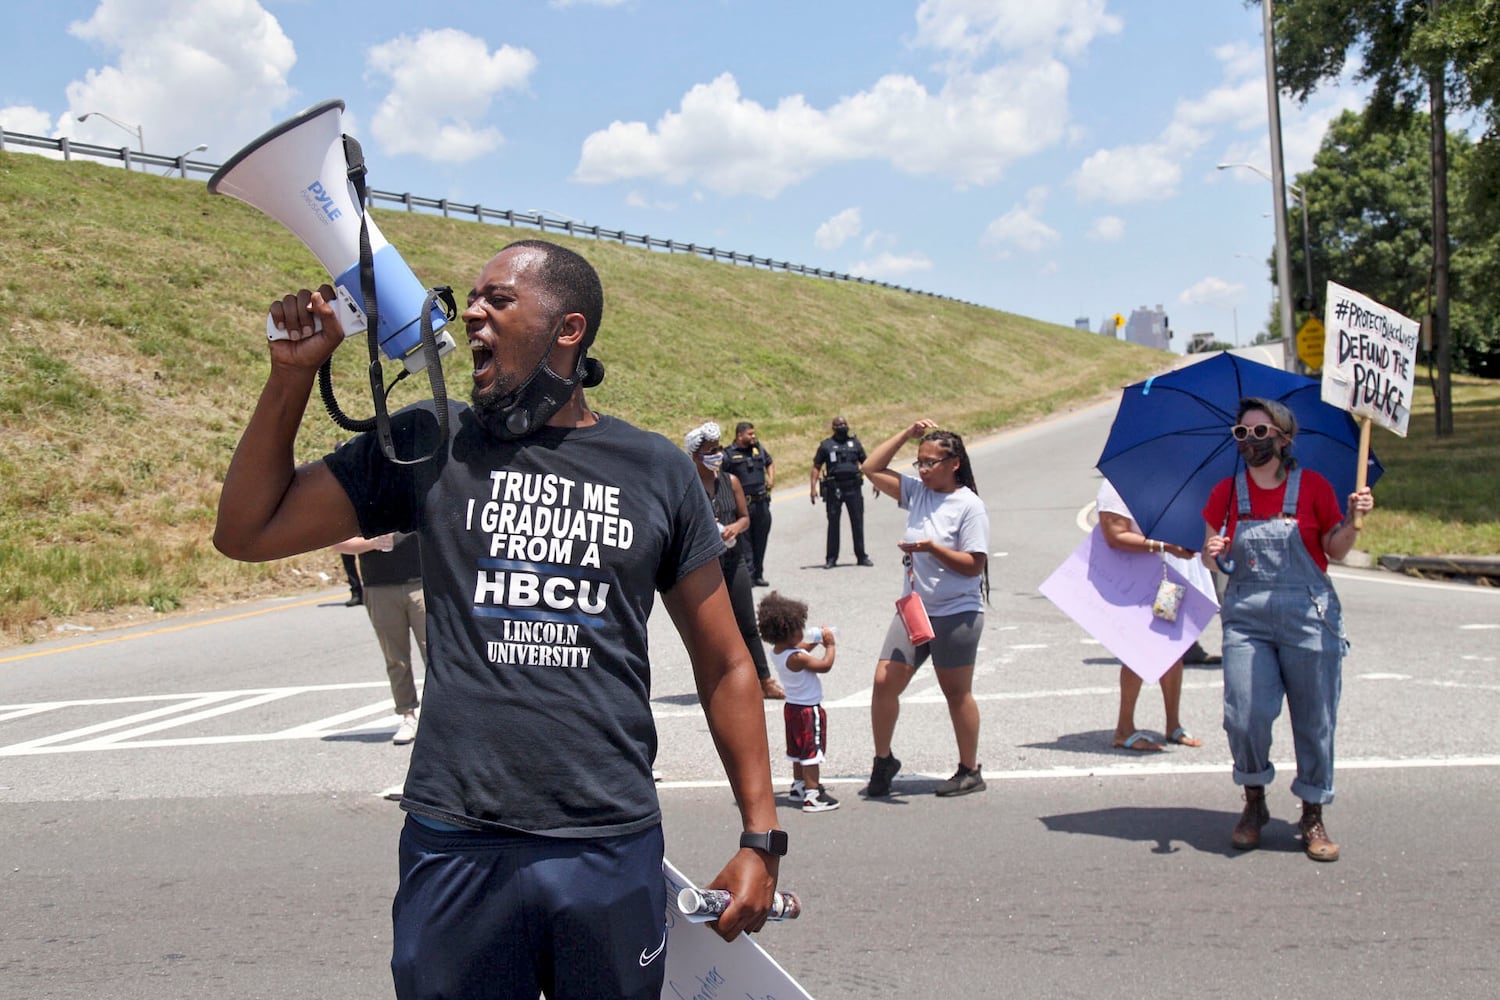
(1369, 199)
(1403, 56)
(1369, 195)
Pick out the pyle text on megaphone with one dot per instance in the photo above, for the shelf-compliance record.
(298, 173)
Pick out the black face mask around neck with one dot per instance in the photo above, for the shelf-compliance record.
(526, 408)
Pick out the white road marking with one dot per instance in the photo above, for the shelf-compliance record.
(378, 713)
(104, 742)
(126, 731)
(1136, 770)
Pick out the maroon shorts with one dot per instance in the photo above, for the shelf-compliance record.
(806, 732)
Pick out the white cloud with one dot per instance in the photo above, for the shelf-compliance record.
(838, 230)
(1150, 171)
(1213, 291)
(891, 267)
(23, 118)
(979, 120)
(1128, 174)
(969, 131)
(637, 200)
(1021, 227)
(188, 71)
(1107, 229)
(434, 112)
(970, 29)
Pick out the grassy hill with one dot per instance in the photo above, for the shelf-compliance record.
(133, 307)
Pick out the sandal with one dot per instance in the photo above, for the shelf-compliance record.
(1184, 738)
(1139, 742)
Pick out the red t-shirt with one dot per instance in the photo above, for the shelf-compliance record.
(1318, 509)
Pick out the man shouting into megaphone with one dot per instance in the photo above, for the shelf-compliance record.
(531, 854)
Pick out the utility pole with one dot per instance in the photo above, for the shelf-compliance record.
(1278, 194)
(1442, 335)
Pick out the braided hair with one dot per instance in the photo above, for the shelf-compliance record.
(953, 447)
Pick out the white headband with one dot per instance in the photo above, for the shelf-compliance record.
(695, 437)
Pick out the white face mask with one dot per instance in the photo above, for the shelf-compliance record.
(712, 462)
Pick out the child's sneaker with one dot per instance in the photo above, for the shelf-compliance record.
(817, 800)
(798, 792)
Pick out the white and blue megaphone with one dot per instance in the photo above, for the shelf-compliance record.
(298, 174)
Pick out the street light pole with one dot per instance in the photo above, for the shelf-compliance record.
(1278, 191)
(138, 131)
(1306, 237)
(182, 159)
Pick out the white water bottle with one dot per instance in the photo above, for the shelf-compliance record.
(814, 633)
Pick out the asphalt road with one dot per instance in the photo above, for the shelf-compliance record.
(191, 808)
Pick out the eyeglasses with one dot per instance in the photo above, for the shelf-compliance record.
(1260, 431)
(923, 464)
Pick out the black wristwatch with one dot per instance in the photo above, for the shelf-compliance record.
(773, 842)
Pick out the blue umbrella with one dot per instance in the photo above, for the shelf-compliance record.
(1170, 442)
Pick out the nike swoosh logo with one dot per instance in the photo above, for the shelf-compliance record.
(647, 957)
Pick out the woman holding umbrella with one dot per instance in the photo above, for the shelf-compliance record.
(1273, 527)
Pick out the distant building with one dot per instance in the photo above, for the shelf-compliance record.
(1148, 327)
(1081, 323)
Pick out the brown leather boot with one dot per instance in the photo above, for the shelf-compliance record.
(1246, 834)
(1314, 837)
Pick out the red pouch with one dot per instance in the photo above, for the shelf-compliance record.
(914, 616)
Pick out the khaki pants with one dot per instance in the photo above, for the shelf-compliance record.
(397, 611)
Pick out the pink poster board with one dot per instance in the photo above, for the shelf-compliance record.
(1110, 593)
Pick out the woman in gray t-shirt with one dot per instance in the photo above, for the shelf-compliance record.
(947, 542)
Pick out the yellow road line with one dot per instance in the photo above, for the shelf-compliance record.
(161, 631)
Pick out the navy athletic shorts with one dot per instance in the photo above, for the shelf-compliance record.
(482, 915)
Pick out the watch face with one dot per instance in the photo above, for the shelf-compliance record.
(773, 842)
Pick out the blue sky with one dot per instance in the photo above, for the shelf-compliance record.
(1053, 158)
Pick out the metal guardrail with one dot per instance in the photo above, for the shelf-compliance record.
(183, 166)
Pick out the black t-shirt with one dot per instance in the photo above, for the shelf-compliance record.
(841, 459)
(400, 565)
(749, 464)
(541, 560)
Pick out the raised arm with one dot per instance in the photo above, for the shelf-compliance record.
(269, 508)
(732, 701)
(876, 466)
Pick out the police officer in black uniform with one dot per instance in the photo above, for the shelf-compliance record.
(757, 474)
(836, 477)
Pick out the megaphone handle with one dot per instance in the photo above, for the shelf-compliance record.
(274, 332)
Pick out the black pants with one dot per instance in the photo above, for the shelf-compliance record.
(351, 573)
(742, 599)
(760, 531)
(852, 497)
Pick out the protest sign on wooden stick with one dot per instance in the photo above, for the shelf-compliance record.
(1368, 356)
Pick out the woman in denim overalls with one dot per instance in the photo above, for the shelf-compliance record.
(1275, 526)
